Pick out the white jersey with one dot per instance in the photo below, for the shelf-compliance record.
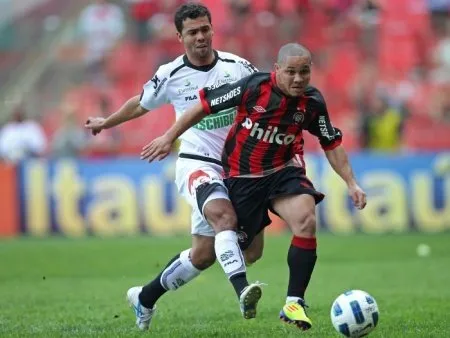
(178, 83)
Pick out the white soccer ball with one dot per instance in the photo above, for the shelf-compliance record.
(354, 313)
(423, 250)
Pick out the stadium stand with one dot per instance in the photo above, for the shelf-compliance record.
(360, 48)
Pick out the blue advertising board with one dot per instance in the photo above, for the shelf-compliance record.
(126, 196)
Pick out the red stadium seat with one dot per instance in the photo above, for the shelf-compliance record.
(422, 133)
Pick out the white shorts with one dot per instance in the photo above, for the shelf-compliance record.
(190, 174)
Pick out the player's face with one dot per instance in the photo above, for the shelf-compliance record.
(293, 75)
(196, 37)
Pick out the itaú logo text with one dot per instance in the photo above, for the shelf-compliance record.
(270, 135)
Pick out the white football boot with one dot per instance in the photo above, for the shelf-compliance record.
(143, 314)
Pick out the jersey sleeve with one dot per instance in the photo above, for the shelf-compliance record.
(247, 68)
(154, 93)
(223, 97)
(321, 127)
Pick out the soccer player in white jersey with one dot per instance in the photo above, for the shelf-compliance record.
(198, 169)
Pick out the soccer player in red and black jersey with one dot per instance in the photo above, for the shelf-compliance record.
(263, 159)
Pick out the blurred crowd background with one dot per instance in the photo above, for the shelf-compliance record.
(383, 66)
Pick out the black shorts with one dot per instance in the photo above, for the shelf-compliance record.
(252, 198)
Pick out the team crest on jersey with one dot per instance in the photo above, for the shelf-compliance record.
(299, 117)
(242, 236)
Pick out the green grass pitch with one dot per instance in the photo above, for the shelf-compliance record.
(76, 288)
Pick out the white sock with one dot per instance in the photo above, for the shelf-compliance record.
(229, 253)
(180, 272)
(290, 299)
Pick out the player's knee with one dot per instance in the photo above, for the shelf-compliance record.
(220, 215)
(225, 221)
(202, 258)
(251, 256)
(305, 224)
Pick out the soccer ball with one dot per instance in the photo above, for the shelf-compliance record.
(354, 313)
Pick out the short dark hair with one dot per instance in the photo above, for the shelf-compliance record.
(190, 10)
(292, 49)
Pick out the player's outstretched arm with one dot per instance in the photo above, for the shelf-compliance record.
(339, 162)
(130, 110)
(160, 147)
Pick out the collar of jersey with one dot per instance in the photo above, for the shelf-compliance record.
(205, 68)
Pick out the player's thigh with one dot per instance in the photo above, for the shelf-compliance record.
(202, 254)
(249, 199)
(200, 182)
(298, 211)
(293, 197)
(255, 250)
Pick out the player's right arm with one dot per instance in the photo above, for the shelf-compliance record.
(130, 110)
(211, 101)
(153, 96)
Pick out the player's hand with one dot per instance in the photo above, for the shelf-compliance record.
(158, 149)
(95, 124)
(358, 196)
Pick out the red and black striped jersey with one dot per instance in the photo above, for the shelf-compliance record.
(266, 135)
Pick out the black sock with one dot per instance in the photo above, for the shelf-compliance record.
(301, 260)
(154, 290)
(239, 282)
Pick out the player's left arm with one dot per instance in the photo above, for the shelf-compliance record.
(331, 141)
(338, 159)
(211, 101)
(226, 96)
